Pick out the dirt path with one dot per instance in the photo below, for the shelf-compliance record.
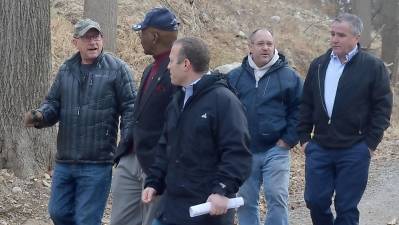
(380, 203)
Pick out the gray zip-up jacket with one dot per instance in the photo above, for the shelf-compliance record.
(87, 107)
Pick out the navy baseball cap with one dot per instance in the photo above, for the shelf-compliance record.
(160, 18)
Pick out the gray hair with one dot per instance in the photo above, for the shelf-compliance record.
(355, 22)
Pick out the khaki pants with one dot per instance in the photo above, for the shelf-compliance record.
(127, 185)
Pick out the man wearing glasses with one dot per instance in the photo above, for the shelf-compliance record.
(90, 92)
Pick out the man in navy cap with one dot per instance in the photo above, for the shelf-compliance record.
(157, 33)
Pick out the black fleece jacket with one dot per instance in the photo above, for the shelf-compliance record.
(203, 150)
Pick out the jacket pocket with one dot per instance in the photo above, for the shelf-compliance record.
(188, 184)
(350, 125)
(267, 133)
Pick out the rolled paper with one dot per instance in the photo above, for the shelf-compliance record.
(204, 208)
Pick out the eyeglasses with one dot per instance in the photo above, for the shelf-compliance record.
(88, 38)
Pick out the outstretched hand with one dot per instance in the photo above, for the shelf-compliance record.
(32, 118)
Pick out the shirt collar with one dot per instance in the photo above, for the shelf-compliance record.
(190, 86)
(348, 56)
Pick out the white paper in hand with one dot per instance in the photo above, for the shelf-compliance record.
(204, 208)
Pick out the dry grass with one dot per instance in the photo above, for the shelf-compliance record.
(302, 34)
(216, 22)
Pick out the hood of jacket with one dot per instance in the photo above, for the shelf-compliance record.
(281, 62)
(209, 82)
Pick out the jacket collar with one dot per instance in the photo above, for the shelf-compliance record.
(281, 62)
(77, 59)
(204, 85)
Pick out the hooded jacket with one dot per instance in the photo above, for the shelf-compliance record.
(203, 150)
(272, 105)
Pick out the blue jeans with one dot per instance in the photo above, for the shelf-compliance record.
(272, 168)
(344, 171)
(79, 193)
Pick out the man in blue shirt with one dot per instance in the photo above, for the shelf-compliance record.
(346, 106)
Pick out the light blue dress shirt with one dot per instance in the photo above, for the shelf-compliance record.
(188, 91)
(333, 74)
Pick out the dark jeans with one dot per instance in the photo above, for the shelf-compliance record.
(79, 193)
(343, 171)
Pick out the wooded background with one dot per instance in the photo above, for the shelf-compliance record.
(26, 59)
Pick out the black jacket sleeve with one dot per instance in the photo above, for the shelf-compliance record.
(381, 106)
(126, 95)
(157, 174)
(290, 135)
(306, 107)
(233, 145)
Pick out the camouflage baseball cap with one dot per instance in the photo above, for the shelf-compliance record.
(84, 25)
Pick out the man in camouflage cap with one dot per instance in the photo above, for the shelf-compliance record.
(90, 93)
(84, 25)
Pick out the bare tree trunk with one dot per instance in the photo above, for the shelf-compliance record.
(24, 75)
(390, 37)
(362, 8)
(105, 12)
(390, 47)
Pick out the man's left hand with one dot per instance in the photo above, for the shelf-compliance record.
(218, 204)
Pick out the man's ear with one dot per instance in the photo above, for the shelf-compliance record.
(75, 42)
(358, 38)
(155, 37)
(187, 64)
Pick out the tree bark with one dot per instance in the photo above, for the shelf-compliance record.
(104, 12)
(362, 8)
(390, 37)
(390, 47)
(24, 76)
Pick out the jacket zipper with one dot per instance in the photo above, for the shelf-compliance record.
(267, 84)
(321, 96)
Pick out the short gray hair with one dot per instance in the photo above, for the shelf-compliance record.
(355, 22)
